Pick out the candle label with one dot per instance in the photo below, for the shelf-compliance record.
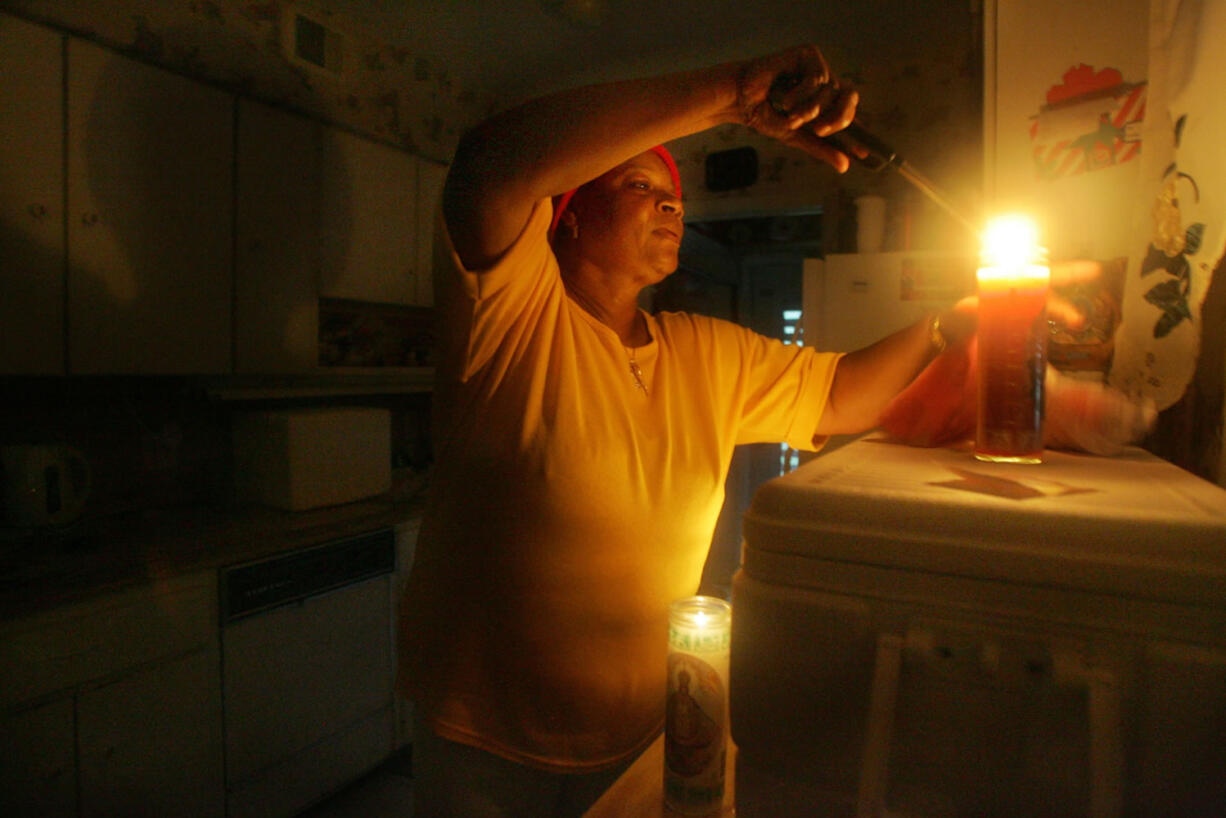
(699, 641)
(695, 727)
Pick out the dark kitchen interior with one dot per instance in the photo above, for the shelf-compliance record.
(247, 292)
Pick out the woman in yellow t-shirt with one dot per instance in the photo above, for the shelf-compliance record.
(581, 442)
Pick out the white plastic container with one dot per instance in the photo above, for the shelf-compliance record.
(918, 633)
(299, 459)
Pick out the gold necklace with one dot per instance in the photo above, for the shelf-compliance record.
(636, 371)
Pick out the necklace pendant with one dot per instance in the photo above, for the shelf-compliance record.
(637, 372)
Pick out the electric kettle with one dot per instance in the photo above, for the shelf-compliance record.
(44, 484)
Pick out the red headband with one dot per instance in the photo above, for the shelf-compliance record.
(560, 202)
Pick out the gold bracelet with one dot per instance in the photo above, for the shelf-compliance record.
(935, 336)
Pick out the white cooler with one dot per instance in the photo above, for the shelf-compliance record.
(916, 633)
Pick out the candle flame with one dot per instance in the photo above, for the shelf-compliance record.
(1011, 252)
(1011, 240)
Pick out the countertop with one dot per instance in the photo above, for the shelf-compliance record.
(639, 791)
(38, 572)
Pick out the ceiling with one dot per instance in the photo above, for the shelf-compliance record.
(512, 50)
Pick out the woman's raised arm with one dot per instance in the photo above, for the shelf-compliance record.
(557, 142)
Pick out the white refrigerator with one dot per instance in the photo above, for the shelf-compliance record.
(854, 299)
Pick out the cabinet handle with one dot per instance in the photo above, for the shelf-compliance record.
(38, 210)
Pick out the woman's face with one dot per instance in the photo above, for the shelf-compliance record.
(629, 220)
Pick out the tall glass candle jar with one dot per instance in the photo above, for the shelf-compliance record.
(1013, 281)
(696, 726)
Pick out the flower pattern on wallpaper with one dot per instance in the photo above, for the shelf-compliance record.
(1170, 249)
(1184, 199)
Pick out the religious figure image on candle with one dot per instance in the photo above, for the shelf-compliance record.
(694, 733)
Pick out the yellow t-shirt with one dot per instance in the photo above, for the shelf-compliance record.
(569, 507)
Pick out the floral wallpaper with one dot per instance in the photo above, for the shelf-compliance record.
(384, 92)
(923, 104)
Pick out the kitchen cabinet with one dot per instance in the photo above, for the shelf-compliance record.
(152, 224)
(276, 282)
(369, 221)
(31, 199)
(149, 218)
(37, 762)
(151, 743)
(112, 706)
(64, 649)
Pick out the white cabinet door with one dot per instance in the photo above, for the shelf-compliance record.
(31, 199)
(276, 283)
(151, 743)
(61, 648)
(430, 178)
(369, 221)
(150, 206)
(37, 764)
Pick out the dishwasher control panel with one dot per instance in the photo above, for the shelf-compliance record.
(253, 587)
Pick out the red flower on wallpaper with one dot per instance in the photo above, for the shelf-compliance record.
(1082, 80)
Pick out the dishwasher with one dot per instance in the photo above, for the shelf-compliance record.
(307, 672)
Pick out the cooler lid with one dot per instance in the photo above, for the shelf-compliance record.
(1132, 525)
